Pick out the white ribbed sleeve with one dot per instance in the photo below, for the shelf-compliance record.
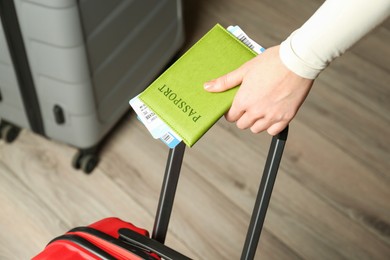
(333, 28)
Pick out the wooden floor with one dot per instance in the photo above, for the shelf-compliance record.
(331, 199)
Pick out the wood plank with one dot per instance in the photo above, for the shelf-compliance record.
(331, 196)
(365, 216)
(374, 48)
(198, 205)
(361, 132)
(27, 224)
(368, 89)
(78, 199)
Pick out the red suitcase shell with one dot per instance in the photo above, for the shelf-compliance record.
(81, 243)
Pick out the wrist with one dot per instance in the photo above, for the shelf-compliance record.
(295, 63)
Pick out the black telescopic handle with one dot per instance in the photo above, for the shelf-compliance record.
(168, 191)
(171, 178)
(264, 195)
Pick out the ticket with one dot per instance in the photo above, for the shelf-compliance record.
(157, 128)
(242, 36)
(160, 130)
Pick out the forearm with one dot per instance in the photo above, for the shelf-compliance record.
(333, 29)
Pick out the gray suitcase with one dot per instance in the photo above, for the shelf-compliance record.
(68, 67)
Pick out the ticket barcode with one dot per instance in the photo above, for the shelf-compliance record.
(148, 116)
(171, 139)
(245, 40)
(243, 37)
(168, 138)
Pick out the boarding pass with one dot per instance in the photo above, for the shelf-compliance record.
(160, 130)
(157, 128)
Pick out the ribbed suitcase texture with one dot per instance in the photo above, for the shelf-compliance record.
(86, 58)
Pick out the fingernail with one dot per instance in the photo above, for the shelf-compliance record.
(208, 85)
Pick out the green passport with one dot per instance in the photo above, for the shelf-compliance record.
(178, 97)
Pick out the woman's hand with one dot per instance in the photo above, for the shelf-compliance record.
(269, 97)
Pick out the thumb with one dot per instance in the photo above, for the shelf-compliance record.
(225, 82)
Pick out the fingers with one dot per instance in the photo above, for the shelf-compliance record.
(269, 96)
(245, 121)
(234, 114)
(225, 82)
(257, 124)
(277, 128)
(272, 128)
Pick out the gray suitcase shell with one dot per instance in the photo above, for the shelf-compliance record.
(87, 59)
(11, 109)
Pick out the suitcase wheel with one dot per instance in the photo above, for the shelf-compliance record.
(9, 132)
(85, 161)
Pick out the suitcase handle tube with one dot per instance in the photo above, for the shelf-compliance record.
(264, 194)
(168, 191)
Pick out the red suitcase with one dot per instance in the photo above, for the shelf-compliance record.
(99, 240)
(113, 238)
